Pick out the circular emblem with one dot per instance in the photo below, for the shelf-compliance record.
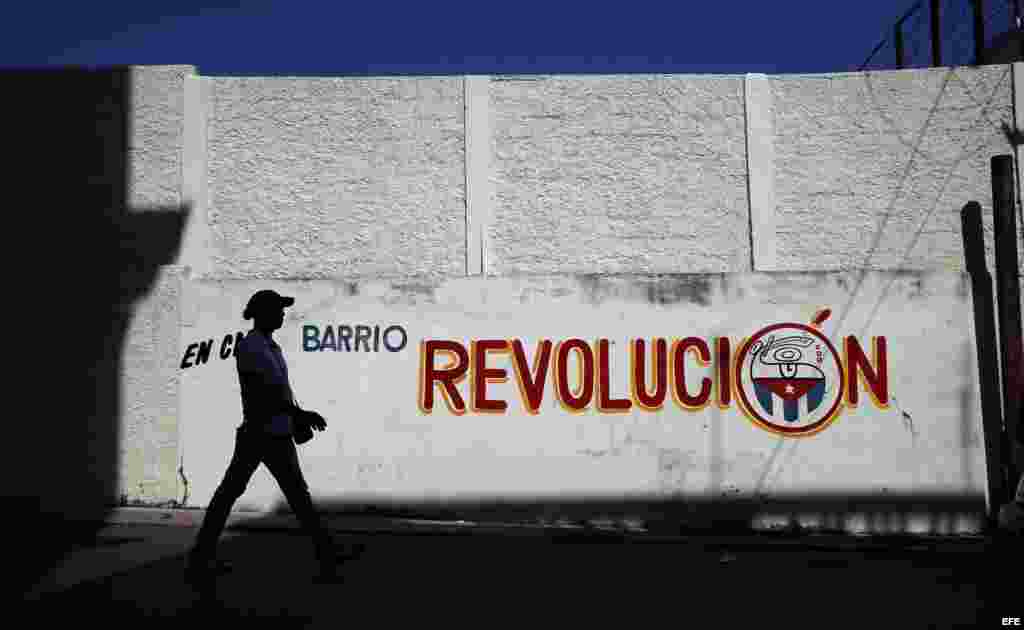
(790, 380)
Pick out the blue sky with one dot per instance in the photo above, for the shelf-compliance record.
(338, 38)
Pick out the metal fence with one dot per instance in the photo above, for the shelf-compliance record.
(944, 33)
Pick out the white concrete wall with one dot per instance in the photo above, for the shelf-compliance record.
(150, 418)
(872, 169)
(381, 445)
(333, 183)
(618, 174)
(327, 178)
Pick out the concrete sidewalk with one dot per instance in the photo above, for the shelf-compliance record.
(362, 524)
(443, 571)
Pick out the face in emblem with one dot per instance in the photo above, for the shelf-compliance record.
(790, 379)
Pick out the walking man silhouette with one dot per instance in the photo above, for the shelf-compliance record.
(265, 436)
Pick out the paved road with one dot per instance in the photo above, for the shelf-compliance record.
(468, 579)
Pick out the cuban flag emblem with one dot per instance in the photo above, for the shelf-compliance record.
(784, 374)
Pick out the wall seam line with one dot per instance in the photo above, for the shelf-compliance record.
(760, 136)
(195, 244)
(477, 163)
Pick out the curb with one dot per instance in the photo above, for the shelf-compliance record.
(349, 524)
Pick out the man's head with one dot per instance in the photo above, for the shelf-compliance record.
(266, 307)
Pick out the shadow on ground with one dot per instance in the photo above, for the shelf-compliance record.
(474, 577)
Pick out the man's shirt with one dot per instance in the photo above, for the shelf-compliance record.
(262, 375)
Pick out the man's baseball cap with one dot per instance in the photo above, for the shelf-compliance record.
(264, 300)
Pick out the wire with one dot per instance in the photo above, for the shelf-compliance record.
(957, 42)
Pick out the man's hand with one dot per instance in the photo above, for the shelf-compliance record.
(317, 421)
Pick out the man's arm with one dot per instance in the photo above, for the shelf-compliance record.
(285, 406)
(279, 394)
(266, 399)
(267, 392)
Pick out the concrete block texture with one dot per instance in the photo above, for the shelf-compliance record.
(155, 138)
(149, 405)
(322, 178)
(872, 169)
(607, 174)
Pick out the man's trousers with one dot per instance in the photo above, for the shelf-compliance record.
(253, 447)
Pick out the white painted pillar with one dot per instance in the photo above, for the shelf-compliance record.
(479, 198)
(195, 250)
(760, 126)
(195, 246)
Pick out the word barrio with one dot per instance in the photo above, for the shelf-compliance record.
(786, 378)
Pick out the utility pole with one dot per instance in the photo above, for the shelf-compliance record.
(936, 34)
(979, 31)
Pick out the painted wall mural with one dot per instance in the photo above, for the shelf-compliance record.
(353, 338)
(787, 378)
(199, 352)
(608, 386)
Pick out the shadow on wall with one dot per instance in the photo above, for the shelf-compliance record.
(83, 261)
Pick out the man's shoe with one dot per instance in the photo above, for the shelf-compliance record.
(350, 552)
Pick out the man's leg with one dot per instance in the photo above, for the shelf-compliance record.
(243, 464)
(283, 462)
